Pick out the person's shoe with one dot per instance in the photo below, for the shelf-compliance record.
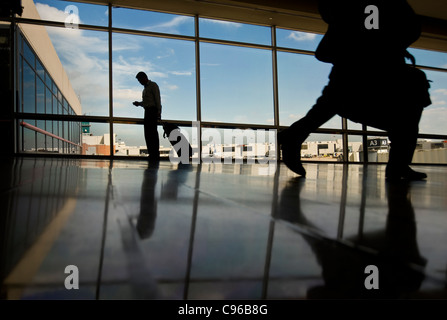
(414, 175)
(291, 153)
(404, 174)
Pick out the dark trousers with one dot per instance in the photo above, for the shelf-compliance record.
(376, 97)
(151, 132)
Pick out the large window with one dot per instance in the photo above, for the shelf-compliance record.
(223, 75)
(84, 56)
(301, 79)
(38, 94)
(232, 31)
(168, 62)
(151, 21)
(236, 84)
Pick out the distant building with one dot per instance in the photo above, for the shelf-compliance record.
(328, 149)
(97, 145)
(238, 151)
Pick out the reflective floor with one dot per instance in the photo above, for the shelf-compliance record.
(95, 229)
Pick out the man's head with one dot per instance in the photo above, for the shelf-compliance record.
(142, 77)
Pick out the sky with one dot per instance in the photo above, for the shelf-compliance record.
(236, 82)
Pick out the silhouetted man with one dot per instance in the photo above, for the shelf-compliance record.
(152, 113)
(370, 82)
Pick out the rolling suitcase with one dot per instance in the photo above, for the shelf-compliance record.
(177, 140)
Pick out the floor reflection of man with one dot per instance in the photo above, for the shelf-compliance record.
(394, 250)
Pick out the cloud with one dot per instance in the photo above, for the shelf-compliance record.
(440, 91)
(47, 12)
(169, 26)
(127, 94)
(433, 120)
(171, 86)
(84, 58)
(223, 23)
(181, 73)
(438, 102)
(302, 36)
(295, 116)
(169, 53)
(438, 96)
(129, 67)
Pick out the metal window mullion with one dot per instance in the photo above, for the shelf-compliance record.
(275, 89)
(365, 144)
(344, 126)
(198, 89)
(110, 82)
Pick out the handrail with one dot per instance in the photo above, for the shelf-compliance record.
(34, 128)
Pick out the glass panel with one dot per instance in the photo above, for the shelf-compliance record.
(97, 141)
(72, 12)
(130, 140)
(427, 151)
(234, 31)
(355, 148)
(20, 84)
(48, 136)
(49, 139)
(84, 58)
(297, 39)
(66, 106)
(59, 107)
(190, 134)
(41, 145)
(28, 54)
(429, 58)
(301, 79)
(19, 43)
(322, 147)
(66, 131)
(354, 125)
(54, 105)
(40, 70)
(169, 63)
(60, 134)
(48, 81)
(236, 84)
(374, 129)
(28, 142)
(431, 151)
(238, 145)
(434, 117)
(29, 89)
(378, 149)
(48, 101)
(152, 21)
(40, 96)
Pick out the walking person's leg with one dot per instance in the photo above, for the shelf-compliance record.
(293, 137)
